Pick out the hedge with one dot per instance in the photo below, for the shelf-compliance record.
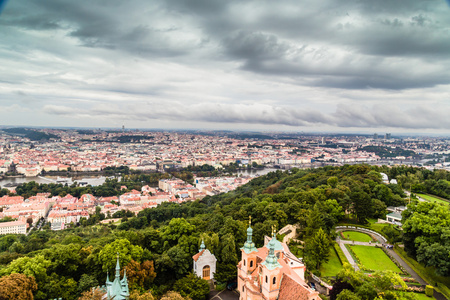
(340, 254)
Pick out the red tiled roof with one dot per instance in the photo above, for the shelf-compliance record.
(196, 256)
(292, 290)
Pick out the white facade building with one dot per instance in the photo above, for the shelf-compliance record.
(14, 227)
(204, 263)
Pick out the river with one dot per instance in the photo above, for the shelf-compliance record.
(254, 172)
(98, 180)
(92, 180)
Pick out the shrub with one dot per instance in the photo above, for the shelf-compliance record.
(429, 291)
(340, 254)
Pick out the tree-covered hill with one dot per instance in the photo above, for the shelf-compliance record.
(162, 240)
(32, 134)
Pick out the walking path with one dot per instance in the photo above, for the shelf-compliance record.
(381, 239)
(347, 254)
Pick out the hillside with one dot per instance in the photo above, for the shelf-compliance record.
(162, 240)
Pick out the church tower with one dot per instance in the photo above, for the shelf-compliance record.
(117, 289)
(248, 261)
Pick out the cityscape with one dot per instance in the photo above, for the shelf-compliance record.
(224, 150)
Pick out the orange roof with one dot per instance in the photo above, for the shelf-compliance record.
(292, 290)
(196, 256)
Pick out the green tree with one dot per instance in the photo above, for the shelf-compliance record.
(65, 258)
(426, 234)
(317, 249)
(31, 266)
(108, 255)
(135, 295)
(171, 295)
(362, 204)
(226, 268)
(332, 181)
(192, 286)
(177, 227)
(86, 282)
(57, 286)
(347, 295)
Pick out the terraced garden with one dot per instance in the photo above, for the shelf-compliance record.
(374, 258)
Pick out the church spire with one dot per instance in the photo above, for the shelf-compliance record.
(117, 267)
(271, 261)
(249, 246)
(202, 246)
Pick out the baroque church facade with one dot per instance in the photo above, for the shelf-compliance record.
(271, 272)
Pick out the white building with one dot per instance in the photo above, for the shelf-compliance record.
(14, 227)
(204, 263)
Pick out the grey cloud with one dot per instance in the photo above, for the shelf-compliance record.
(389, 116)
(255, 46)
(376, 116)
(217, 61)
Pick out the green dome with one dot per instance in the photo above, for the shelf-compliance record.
(249, 230)
(276, 244)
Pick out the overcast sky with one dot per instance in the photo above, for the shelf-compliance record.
(323, 65)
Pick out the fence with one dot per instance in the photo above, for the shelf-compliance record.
(363, 230)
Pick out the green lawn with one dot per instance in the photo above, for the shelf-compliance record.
(433, 199)
(420, 296)
(333, 266)
(357, 236)
(374, 258)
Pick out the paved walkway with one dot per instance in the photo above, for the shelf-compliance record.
(223, 295)
(347, 254)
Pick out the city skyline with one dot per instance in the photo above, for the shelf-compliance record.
(358, 66)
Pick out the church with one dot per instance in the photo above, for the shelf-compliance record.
(117, 289)
(204, 263)
(271, 272)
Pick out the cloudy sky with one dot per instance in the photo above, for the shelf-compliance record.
(328, 65)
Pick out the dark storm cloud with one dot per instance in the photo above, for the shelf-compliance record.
(104, 24)
(254, 62)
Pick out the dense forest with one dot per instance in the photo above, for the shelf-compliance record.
(156, 246)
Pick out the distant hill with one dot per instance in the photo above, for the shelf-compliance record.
(31, 134)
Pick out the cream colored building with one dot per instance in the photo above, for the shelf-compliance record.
(204, 263)
(14, 227)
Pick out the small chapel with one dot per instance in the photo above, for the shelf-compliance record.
(271, 272)
(204, 263)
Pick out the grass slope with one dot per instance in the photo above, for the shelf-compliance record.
(433, 199)
(357, 236)
(374, 258)
(419, 296)
(333, 266)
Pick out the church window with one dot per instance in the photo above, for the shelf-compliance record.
(274, 280)
(244, 262)
(267, 279)
(251, 264)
